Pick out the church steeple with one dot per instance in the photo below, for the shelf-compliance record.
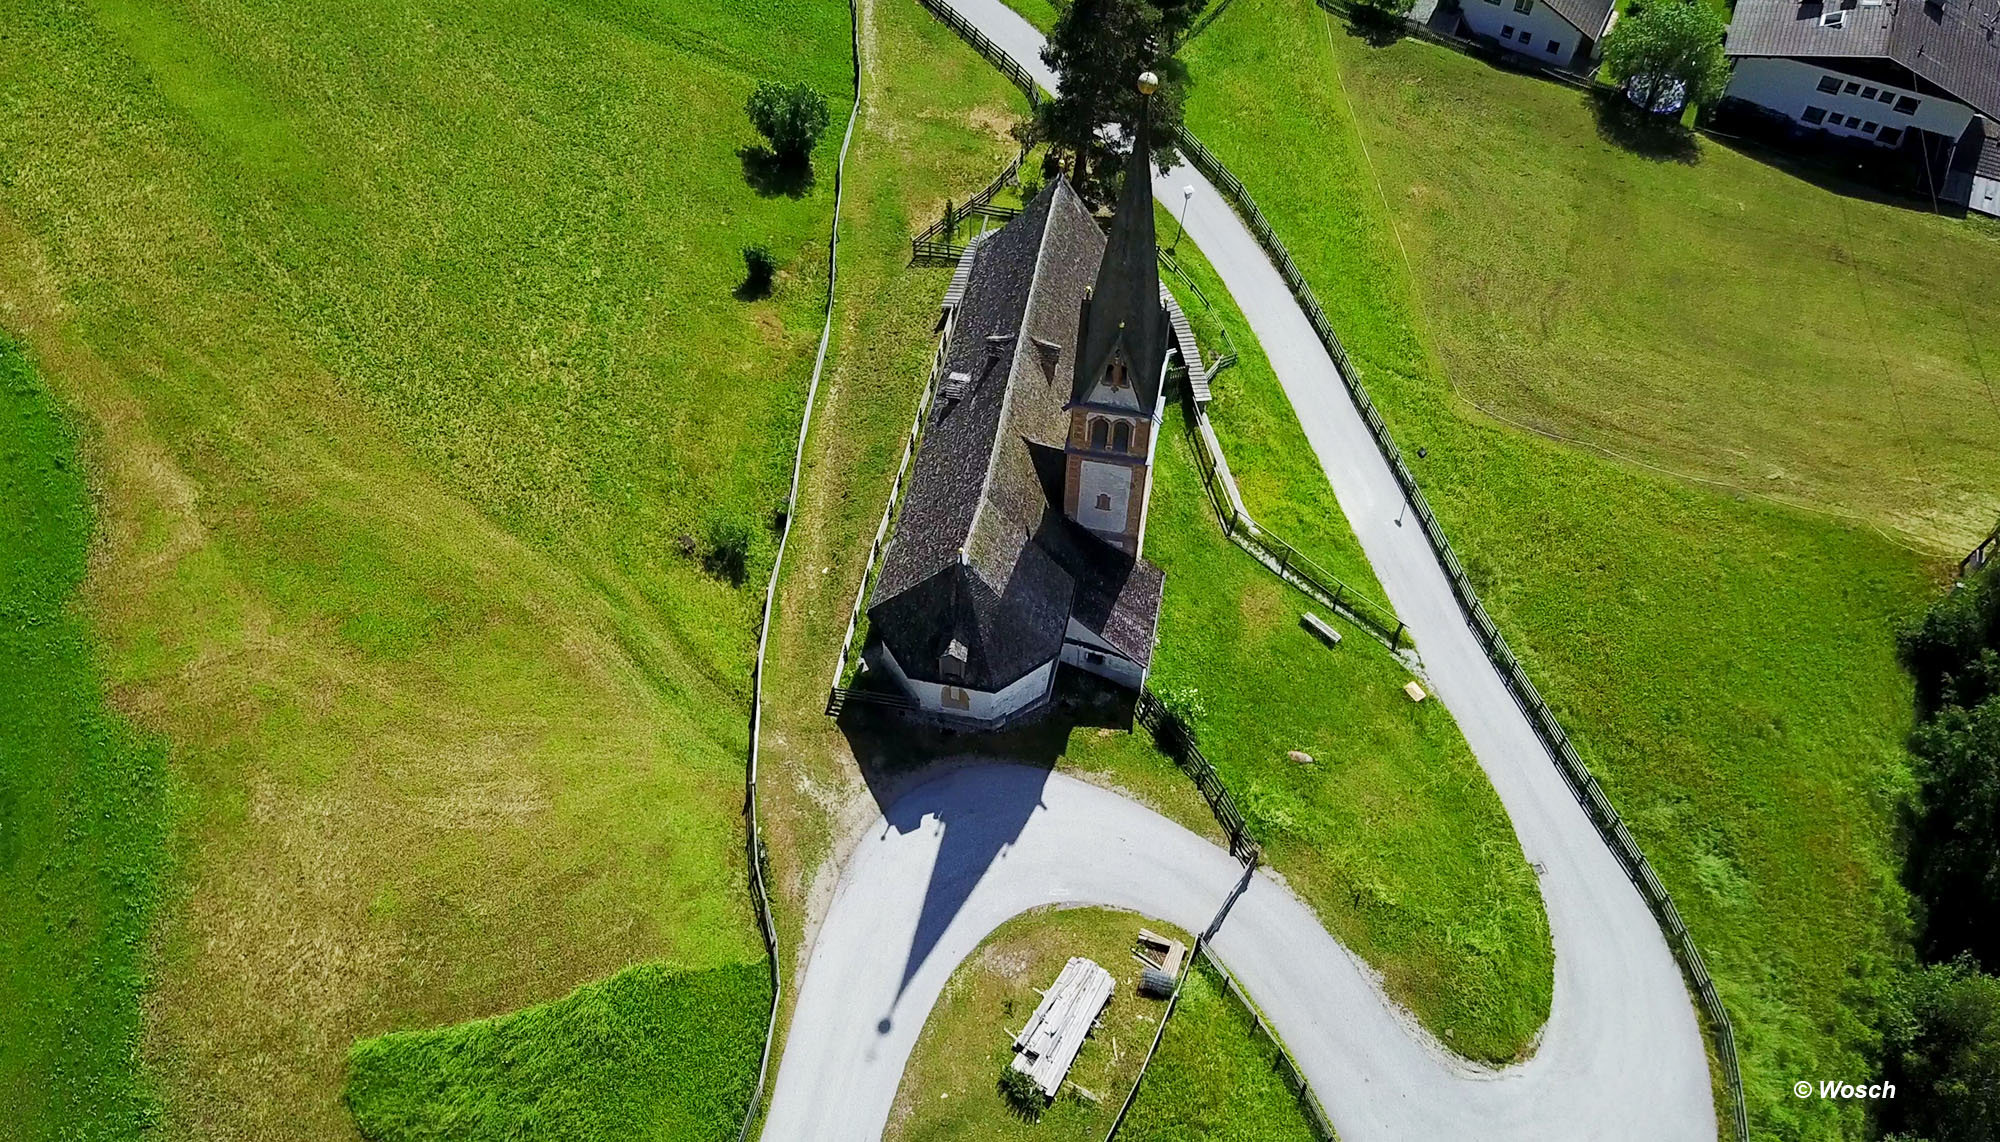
(1115, 395)
(1124, 343)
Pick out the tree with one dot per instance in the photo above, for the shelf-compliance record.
(1097, 50)
(1669, 48)
(1955, 846)
(792, 116)
(1941, 1047)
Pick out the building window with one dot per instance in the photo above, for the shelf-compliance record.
(955, 698)
(1830, 84)
(1507, 32)
(1851, 88)
(1814, 115)
(1886, 97)
(1121, 437)
(1867, 93)
(1869, 127)
(1554, 45)
(1104, 501)
(1100, 433)
(1907, 105)
(1526, 39)
(1524, 6)
(1890, 135)
(1854, 122)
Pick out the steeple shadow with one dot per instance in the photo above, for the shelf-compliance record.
(900, 757)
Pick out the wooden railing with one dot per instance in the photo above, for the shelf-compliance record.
(1176, 740)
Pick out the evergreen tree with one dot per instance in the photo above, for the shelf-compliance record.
(1097, 50)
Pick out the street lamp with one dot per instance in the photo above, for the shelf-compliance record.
(1180, 227)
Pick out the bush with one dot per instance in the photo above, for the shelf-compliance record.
(1185, 704)
(1021, 1093)
(791, 116)
(1942, 1050)
(759, 267)
(728, 548)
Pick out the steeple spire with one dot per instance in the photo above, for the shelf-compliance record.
(1124, 342)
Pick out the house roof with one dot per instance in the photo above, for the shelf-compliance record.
(1588, 16)
(1950, 44)
(1124, 314)
(982, 554)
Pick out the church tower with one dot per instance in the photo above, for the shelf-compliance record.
(1114, 404)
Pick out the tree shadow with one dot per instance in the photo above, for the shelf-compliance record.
(1661, 138)
(908, 765)
(1375, 28)
(772, 176)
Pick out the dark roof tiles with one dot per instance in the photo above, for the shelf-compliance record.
(1952, 45)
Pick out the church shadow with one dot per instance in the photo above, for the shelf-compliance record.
(903, 759)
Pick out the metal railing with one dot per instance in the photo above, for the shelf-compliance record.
(1583, 784)
(1177, 742)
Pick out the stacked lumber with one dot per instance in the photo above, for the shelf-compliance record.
(1047, 1046)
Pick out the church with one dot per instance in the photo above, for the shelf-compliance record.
(1019, 542)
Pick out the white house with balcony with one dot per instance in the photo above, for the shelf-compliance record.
(1922, 74)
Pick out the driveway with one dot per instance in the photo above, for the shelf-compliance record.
(1621, 1058)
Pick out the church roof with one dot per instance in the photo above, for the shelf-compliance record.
(982, 554)
(1125, 301)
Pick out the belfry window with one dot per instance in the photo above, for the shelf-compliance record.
(1099, 431)
(1121, 437)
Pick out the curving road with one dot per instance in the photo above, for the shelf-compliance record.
(1621, 1058)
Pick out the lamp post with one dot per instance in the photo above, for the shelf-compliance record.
(1180, 227)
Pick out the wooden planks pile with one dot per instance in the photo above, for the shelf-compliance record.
(1047, 1046)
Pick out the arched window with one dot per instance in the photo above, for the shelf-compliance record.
(1098, 431)
(1104, 501)
(1121, 437)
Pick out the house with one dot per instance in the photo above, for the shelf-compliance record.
(1018, 543)
(1918, 74)
(1560, 33)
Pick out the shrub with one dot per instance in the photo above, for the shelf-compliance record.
(1185, 704)
(759, 267)
(728, 548)
(791, 116)
(1021, 1093)
(1942, 1050)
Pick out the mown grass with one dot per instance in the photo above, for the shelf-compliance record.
(84, 805)
(648, 1053)
(949, 1088)
(1724, 664)
(1216, 1078)
(408, 340)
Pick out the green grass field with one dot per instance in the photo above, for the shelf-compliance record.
(407, 343)
(1215, 1079)
(949, 1089)
(1725, 664)
(83, 805)
(648, 1053)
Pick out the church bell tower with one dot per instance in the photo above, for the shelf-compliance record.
(1114, 404)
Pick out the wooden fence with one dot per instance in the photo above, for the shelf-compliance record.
(1583, 784)
(1177, 741)
(757, 854)
(985, 47)
(1291, 564)
(1980, 556)
(936, 243)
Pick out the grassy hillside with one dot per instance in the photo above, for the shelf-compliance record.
(83, 805)
(409, 338)
(1723, 663)
(648, 1054)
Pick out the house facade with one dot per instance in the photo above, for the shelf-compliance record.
(1018, 544)
(1560, 33)
(1917, 74)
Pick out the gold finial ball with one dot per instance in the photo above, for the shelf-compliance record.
(1148, 83)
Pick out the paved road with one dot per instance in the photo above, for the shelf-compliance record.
(1621, 1058)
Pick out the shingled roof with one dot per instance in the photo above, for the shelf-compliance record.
(1950, 44)
(1587, 16)
(982, 554)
